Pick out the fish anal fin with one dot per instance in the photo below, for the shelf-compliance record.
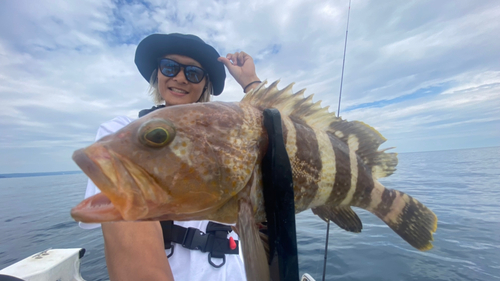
(254, 256)
(343, 216)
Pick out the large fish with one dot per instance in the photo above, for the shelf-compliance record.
(202, 162)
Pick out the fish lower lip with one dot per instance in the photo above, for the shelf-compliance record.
(96, 209)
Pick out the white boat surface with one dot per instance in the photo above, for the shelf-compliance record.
(55, 265)
(48, 265)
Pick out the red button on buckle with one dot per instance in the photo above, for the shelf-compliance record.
(232, 244)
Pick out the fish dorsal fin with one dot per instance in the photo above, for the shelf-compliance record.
(365, 138)
(291, 104)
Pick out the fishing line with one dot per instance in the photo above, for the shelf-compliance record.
(338, 115)
(343, 60)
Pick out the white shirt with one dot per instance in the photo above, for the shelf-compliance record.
(186, 264)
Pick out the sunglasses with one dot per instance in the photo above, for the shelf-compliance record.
(171, 68)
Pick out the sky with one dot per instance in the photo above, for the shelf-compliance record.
(426, 74)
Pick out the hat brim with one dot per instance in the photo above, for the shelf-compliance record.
(158, 45)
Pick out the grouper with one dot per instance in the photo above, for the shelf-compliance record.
(202, 161)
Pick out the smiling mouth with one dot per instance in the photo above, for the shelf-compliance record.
(178, 91)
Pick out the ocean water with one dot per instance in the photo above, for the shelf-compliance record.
(461, 186)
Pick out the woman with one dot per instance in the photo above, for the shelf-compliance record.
(181, 69)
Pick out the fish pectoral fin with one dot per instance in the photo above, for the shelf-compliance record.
(254, 256)
(343, 216)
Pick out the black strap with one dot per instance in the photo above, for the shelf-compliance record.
(214, 242)
(218, 241)
(279, 201)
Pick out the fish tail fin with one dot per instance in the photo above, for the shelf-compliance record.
(409, 218)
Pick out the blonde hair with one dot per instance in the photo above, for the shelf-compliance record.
(155, 93)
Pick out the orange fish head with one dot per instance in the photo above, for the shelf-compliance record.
(177, 163)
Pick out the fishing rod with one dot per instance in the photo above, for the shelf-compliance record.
(338, 115)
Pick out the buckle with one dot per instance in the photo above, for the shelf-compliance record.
(194, 239)
(216, 265)
(171, 250)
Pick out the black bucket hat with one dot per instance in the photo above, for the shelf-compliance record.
(158, 45)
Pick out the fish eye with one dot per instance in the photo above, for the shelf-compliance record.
(157, 136)
(157, 133)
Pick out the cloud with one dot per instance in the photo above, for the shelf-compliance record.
(424, 73)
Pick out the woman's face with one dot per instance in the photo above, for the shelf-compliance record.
(178, 90)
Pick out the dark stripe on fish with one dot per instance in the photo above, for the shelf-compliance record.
(364, 186)
(306, 165)
(343, 171)
(384, 207)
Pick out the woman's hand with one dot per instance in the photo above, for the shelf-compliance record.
(242, 68)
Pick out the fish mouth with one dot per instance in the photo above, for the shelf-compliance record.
(121, 197)
(96, 209)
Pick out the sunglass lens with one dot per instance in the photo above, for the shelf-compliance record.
(194, 74)
(169, 68)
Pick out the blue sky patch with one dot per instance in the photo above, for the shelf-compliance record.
(420, 93)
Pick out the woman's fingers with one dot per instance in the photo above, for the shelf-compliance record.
(225, 61)
(230, 57)
(243, 58)
(238, 58)
(241, 67)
